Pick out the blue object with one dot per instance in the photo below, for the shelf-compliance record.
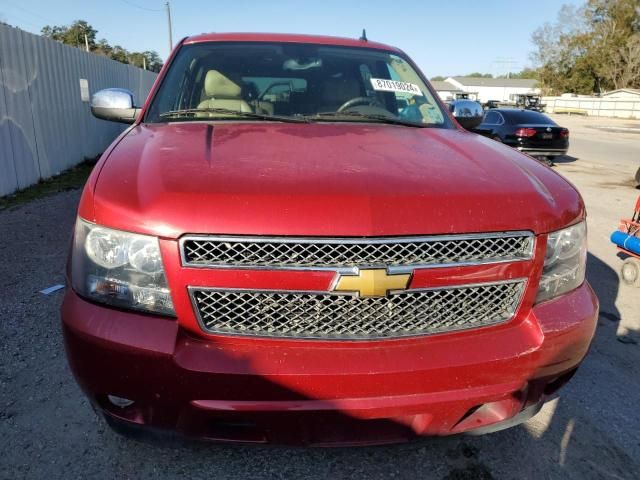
(626, 241)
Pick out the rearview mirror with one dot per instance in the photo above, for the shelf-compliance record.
(468, 113)
(114, 104)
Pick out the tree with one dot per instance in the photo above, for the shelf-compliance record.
(103, 48)
(478, 74)
(74, 35)
(438, 78)
(624, 68)
(137, 59)
(119, 54)
(154, 62)
(526, 72)
(616, 27)
(590, 49)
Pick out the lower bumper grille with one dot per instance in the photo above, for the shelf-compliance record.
(327, 315)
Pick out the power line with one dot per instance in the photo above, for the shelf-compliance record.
(166, 9)
(25, 10)
(13, 18)
(142, 8)
(509, 61)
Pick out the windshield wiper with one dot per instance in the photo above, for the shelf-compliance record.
(191, 112)
(370, 116)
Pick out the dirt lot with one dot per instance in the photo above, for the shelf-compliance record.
(48, 430)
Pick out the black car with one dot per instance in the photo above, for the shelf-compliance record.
(526, 130)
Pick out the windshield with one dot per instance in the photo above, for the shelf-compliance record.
(293, 82)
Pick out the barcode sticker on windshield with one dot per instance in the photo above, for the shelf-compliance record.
(382, 85)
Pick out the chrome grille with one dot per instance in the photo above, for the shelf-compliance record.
(332, 253)
(327, 315)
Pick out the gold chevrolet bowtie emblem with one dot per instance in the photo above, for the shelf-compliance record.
(372, 283)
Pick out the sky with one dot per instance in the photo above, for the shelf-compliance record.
(449, 37)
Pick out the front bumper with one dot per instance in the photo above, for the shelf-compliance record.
(543, 152)
(324, 393)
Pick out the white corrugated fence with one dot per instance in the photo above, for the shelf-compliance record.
(594, 106)
(46, 125)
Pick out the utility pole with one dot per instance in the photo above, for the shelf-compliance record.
(144, 63)
(86, 42)
(169, 21)
(506, 61)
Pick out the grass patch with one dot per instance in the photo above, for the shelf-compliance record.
(68, 180)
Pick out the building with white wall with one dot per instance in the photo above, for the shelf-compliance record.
(500, 89)
(446, 91)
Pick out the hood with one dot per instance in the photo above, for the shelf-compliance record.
(324, 179)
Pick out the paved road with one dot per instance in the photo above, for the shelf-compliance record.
(47, 429)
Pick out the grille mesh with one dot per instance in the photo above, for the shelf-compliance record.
(318, 315)
(353, 253)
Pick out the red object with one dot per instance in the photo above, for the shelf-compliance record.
(419, 182)
(287, 38)
(632, 227)
(320, 393)
(526, 132)
(564, 133)
(330, 180)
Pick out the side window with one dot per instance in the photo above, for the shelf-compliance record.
(491, 118)
(500, 120)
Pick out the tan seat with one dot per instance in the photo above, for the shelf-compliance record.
(222, 93)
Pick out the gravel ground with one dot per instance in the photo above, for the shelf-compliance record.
(48, 430)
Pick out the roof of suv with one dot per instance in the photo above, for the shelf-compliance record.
(286, 37)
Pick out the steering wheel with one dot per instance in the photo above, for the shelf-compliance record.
(357, 101)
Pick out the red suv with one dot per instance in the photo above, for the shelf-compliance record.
(295, 243)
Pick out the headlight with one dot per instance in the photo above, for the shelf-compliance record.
(119, 268)
(565, 262)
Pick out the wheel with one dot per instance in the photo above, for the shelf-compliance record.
(630, 272)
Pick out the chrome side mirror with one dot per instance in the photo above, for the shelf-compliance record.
(114, 104)
(468, 113)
